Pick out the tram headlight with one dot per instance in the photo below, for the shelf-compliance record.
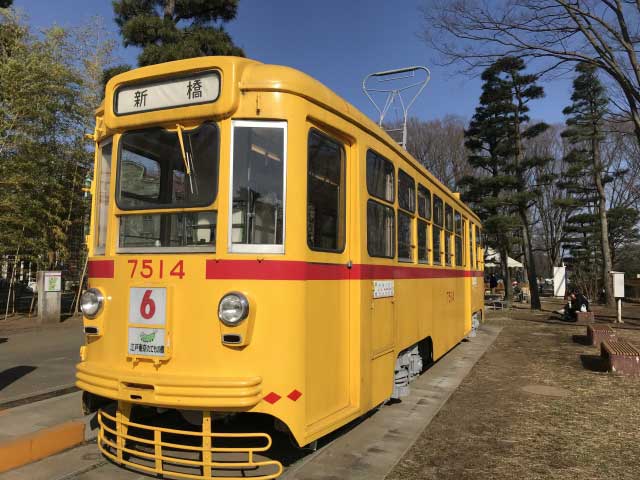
(91, 302)
(233, 308)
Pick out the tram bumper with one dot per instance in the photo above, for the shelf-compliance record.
(184, 453)
(170, 390)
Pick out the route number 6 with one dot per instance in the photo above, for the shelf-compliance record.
(147, 306)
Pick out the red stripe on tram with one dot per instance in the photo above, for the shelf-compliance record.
(274, 270)
(100, 269)
(295, 270)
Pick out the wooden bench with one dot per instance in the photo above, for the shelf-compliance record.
(621, 357)
(496, 304)
(585, 317)
(600, 333)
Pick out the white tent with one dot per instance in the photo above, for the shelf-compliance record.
(492, 259)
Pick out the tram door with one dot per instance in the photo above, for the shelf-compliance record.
(329, 324)
(382, 339)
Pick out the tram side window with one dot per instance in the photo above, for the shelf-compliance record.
(380, 230)
(479, 247)
(424, 211)
(257, 215)
(404, 237)
(380, 177)
(102, 202)
(448, 231)
(406, 192)
(325, 194)
(424, 202)
(472, 253)
(423, 242)
(458, 239)
(438, 222)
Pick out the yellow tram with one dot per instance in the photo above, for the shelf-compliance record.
(259, 246)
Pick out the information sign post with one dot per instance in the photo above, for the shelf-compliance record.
(618, 291)
(49, 288)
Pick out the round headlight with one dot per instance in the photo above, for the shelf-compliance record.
(233, 308)
(91, 302)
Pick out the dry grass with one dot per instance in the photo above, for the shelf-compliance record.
(492, 429)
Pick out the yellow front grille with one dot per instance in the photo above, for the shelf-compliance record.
(146, 451)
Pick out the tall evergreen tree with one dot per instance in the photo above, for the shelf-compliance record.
(623, 229)
(487, 191)
(496, 138)
(522, 89)
(585, 132)
(169, 30)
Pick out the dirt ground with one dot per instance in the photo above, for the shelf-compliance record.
(536, 406)
(20, 323)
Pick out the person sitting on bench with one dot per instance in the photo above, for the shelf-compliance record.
(577, 303)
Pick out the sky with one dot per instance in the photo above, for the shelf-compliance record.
(338, 42)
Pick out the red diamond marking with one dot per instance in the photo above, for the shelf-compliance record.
(272, 398)
(295, 395)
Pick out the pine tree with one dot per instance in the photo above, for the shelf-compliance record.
(623, 229)
(5, 3)
(522, 90)
(169, 30)
(497, 136)
(581, 240)
(585, 132)
(487, 190)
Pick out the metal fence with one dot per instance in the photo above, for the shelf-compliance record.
(18, 293)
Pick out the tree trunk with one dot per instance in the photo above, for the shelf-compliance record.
(525, 261)
(532, 275)
(604, 226)
(169, 9)
(506, 277)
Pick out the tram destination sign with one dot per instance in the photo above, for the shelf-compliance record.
(194, 89)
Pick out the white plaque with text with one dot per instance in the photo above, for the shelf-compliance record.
(383, 288)
(194, 89)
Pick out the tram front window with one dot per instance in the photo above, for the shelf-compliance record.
(152, 171)
(155, 173)
(258, 168)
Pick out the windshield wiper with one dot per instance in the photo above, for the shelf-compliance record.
(187, 158)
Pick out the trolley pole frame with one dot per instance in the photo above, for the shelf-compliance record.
(395, 93)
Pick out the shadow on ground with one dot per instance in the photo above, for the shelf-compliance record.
(10, 375)
(594, 363)
(581, 340)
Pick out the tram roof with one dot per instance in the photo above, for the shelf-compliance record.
(256, 76)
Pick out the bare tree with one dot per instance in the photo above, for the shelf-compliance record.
(439, 146)
(604, 33)
(549, 217)
(621, 159)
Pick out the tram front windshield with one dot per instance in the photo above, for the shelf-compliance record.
(154, 172)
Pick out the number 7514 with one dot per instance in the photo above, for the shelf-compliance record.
(149, 268)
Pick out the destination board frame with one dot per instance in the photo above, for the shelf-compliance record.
(173, 78)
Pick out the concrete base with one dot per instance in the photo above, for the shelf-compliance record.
(37, 430)
(371, 449)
